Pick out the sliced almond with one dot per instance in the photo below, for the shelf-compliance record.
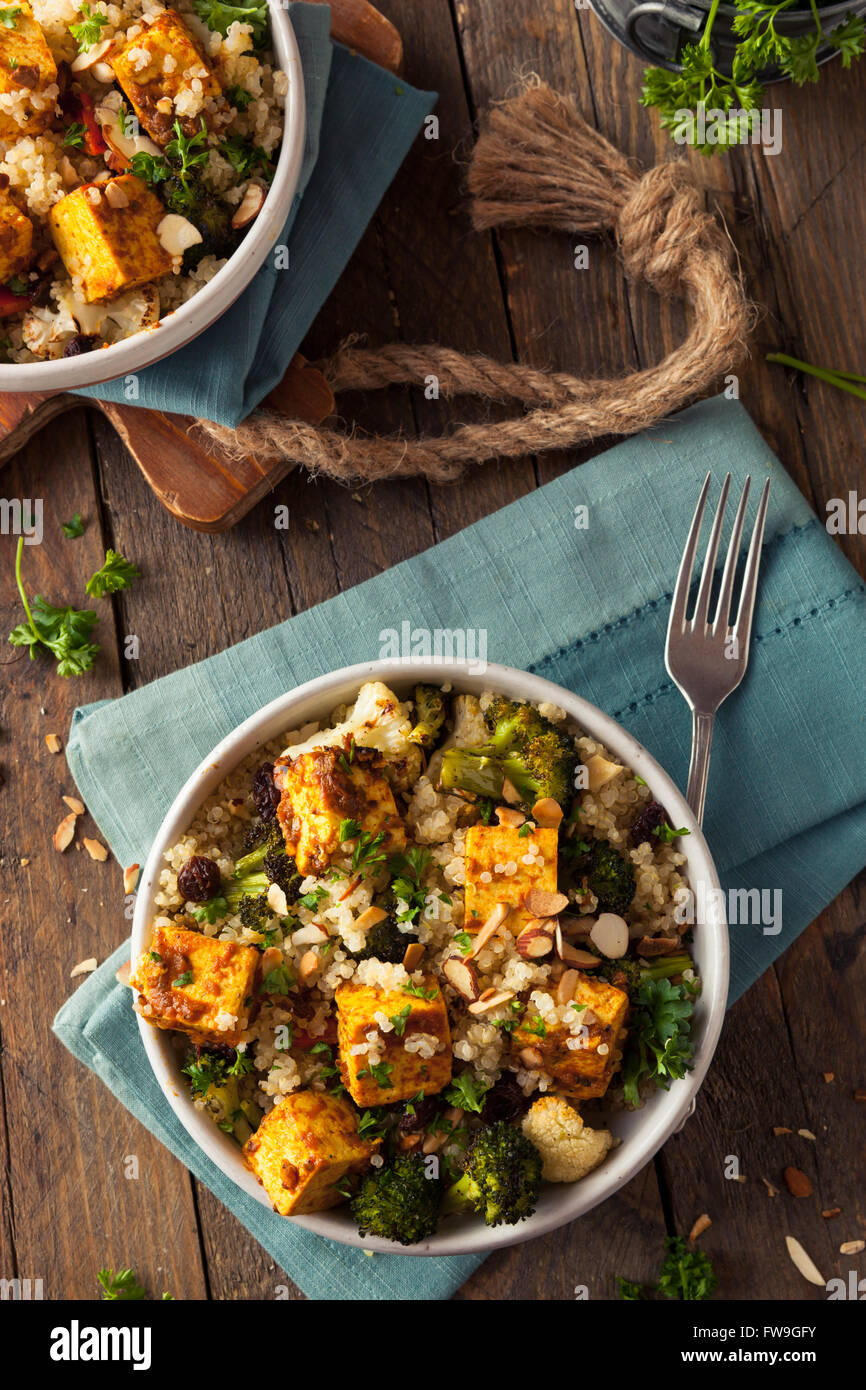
(805, 1264)
(771, 1190)
(76, 806)
(177, 234)
(541, 903)
(831, 1212)
(702, 1224)
(277, 900)
(96, 850)
(84, 967)
(852, 1247)
(568, 983)
(531, 1058)
(461, 975)
(583, 960)
(489, 927)
(797, 1182)
(576, 926)
(781, 1129)
(308, 967)
(413, 956)
(312, 935)
(370, 917)
(536, 940)
(599, 771)
(272, 959)
(93, 55)
(506, 815)
(103, 72)
(807, 1134)
(249, 207)
(610, 935)
(52, 743)
(65, 833)
(115, 195)
(491, 999)
(124, 146)
(650, 946)
(68, 172)
(829, 1076)
(547, 812)
(510, 792)
(130, 878)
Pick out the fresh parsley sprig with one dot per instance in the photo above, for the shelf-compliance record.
(89, 31)
(659, 1047)
(115, 574)
(219, 17)
(686, 1275)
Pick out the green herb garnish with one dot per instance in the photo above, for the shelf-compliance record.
(115, 574)
(88, 32)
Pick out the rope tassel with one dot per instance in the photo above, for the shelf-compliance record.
(538, 164)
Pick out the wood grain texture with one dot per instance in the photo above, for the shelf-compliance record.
(420, 273)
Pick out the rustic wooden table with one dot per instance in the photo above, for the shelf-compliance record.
(421, 274)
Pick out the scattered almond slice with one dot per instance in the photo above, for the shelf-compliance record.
(461, 975)
(130, 878)
(542, 903)
(573, 955)
(491, 999)
(272, 959)
(510, 792)
(600, 771)
(852, 1247)
(489, 927)
(308, 967)
(568, 982)
(805, 1264)
(312, 935)
(65, 832)
(547, 812)
(610, 935)
(829, 1214)
(413, 956)
(84, 967)
(797, 1183)
(780, 1129)
(507, 815)
(367, 919)
(95, 54)
(96, 850)
(702, 1224)
(807, 1134)
(52, 743)
(277, 900)
(77, 807)
(24, 863)
(250, 206)
(773, 1191)
(829, 1076)
(536, 939)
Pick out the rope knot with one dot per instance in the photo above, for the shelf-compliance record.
(661, 226)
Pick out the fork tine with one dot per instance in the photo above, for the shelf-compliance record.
(743, 625)
(677, 619)
(702, 605)
(724, 607)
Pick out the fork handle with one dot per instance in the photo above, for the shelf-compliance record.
(699, 767)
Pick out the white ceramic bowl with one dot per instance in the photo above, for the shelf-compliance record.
(185, 323)
(642, 1132)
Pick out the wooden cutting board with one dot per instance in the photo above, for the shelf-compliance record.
(196, 480)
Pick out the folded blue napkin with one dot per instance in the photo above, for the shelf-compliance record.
(361, 121)
(585, 606)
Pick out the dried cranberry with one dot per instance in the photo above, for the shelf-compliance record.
(266, 798)
(424, 1111)
(199, 879)
(82, 342)
(504, 1101)
(652, 816)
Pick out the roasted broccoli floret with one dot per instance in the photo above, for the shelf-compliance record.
(269, 856)
(268, 841)
(501, 1177)
(214, 1078)
(399, 1203)
(386, 942)
(282, 870)
(213, 219)
(537, 758)
(254, 912)
(626, 973)
(604, 871)
(429, 713)
(249, 886)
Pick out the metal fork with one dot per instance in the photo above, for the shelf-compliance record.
(708, 659)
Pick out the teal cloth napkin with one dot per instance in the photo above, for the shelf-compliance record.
(361, 121)
(586, 607)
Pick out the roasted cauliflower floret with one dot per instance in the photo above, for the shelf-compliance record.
(167, 77)
(377, 720)
(302, 1150)
(336, 798)
(569, 1149)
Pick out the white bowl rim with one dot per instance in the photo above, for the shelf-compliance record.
(185, 323)
(665, 1112)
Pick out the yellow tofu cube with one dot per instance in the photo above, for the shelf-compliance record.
(197, 985)
(167, 77)
(321, 790)
(16, 239)
(489, 846)
(303, 1148)
(27, 72)
(108, 248)
(585, 1071)
(407, 1063)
